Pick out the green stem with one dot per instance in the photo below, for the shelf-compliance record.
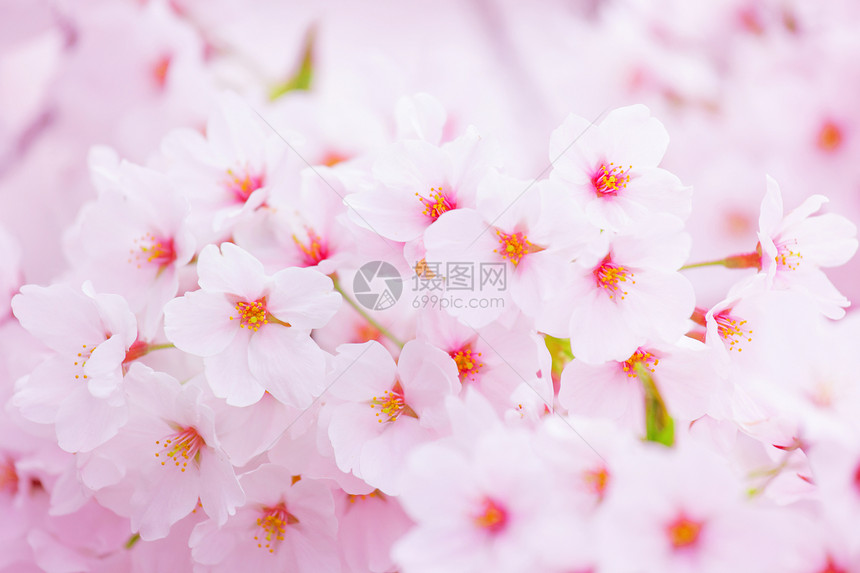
(719, 263)
(659, 426)
(132, 540)
(140, 349)
(382, 330)
(559, 351)
(743, 261)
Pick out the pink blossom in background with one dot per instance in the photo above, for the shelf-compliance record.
(393, 287)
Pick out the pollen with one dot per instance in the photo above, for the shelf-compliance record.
(252, 315)
(361, 497)
(151, 250)
(437, 203)
(80, 360)
(732, 329)
(683, 532)
(787, 257)
(180, 448)
(242, 184)
(314, 249)
(608, 180)
(160, 69)
(391, 405)
(648, 360)
(829, 137)
(514, 246)
(467, 360)
(596, 480)
(492, 518)
(610, 276)
(272, 526)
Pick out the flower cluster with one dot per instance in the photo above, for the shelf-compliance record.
(293, 341)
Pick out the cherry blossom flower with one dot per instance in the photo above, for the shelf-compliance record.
(253, 330)
(794, 247)
(684, 374)
(693, 518)
(517, 225)
(165, 460)
(381, 411)
(415, 182)
(79, 388)
(286, 524)
(483, 509)
(624, 294)
(227, 174)
(368, 525)
(612, 168)
(494, 360)
(133, 240)
(303, 229)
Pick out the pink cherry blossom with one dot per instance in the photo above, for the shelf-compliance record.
(612, 168)
(694, 517)
(165, 460)
(685, 375)
(368, 525)
(482, 509)
(378, 411)
(415, 182)
(286, 524)
(794, 247)
(79, 387)
(253, 330)
(624, 294)
(494, 360)
(133, 240)
(517, 225)
(227, 174)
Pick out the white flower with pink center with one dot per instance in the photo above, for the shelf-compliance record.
(416, 182)
(794, 247)
(227, 174)
(286, 524)
(611, 169)
(494, 360)
(619, 297)
(165, 460)
(378, 411)
(79, 387)
(517, 225)
(491, 507)
(684, 374)
(133, 240)
(683, 510)
(253, 330)
(303, 229)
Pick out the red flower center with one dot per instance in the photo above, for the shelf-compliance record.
(437, 203)
(609, 277)
(244, 183)
(181, 447)
(493, 517)
(684, 532)
(608, 180)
